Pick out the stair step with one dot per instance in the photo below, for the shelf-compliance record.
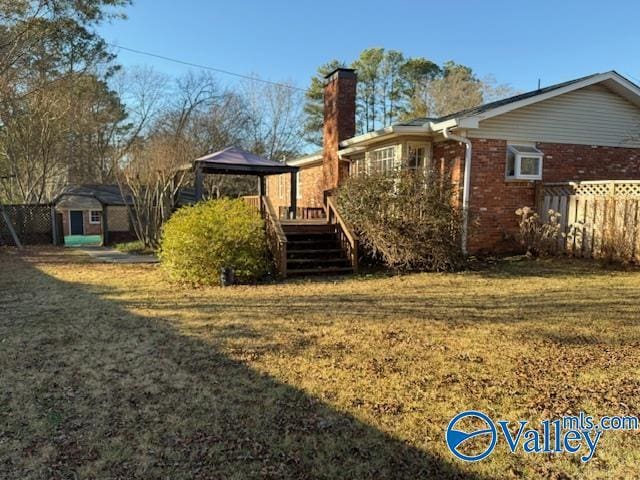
(313, 250)
(295, 243)
(310, 234)
(318, 271)
(308, 229)
(317, 260)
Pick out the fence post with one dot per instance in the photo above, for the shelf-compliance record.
(54, 226)
(538, 198)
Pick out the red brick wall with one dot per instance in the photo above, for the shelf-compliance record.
(448, 158)
(585, 162)
(311, 186)
(494, 200)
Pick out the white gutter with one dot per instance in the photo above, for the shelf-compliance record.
(467, 184)
(388, 132)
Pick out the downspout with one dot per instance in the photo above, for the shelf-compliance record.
(467, 184)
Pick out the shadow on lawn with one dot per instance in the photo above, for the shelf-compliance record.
(109, 394)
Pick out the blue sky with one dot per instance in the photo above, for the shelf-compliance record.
(515, 41)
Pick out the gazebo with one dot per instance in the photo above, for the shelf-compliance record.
(235, 161)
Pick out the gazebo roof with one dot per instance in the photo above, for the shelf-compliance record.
(235, 161)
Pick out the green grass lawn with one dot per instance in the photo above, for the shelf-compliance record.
(109, 371)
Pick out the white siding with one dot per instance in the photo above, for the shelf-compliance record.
(593, 115)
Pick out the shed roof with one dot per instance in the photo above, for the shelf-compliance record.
(106, 194)
(235, 161)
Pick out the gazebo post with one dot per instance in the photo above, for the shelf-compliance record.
(199, 182)
(261, 189)
(294, 195)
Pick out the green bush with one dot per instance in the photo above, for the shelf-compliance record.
(198, 241)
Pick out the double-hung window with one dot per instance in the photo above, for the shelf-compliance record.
(524, 162)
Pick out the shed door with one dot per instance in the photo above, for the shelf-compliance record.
(77, 223)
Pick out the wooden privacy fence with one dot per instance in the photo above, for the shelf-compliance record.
(32, 224)
(598, 218)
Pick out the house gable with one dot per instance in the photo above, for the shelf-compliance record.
(592, 115)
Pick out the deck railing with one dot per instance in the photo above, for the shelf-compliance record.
(302, 213)
(276, 239)
(348, 240)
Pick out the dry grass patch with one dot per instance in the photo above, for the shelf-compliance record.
(111, 372)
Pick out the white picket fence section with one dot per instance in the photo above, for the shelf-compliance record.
(596, 216)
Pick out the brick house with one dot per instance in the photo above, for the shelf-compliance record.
(583, 129)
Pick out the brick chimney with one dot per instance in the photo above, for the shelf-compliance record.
(339, 123)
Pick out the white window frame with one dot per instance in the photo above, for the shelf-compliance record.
(95, 222)
(426, 160)
(371, 161)
(517, 162)
(358, 165)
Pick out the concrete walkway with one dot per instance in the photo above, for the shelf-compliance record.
(110, 255)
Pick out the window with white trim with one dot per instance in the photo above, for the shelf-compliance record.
(417, 156)
(358, 165)
(298, 184)
(382, 160)
(524, 162)
(95, 216)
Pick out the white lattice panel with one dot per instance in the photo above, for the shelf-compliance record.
(616, 188)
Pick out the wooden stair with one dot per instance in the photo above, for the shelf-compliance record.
(314, 249)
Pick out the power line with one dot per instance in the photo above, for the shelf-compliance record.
(205, 67)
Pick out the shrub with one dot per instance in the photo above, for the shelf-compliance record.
(135, 247)
(616, 247)
(406, 218)
(540, 238)
(198, 241)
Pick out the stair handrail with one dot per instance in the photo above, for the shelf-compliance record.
(348, 239)
(276, 239)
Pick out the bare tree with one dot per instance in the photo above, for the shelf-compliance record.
(152, 181)
(150, 171)
(275, 119)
